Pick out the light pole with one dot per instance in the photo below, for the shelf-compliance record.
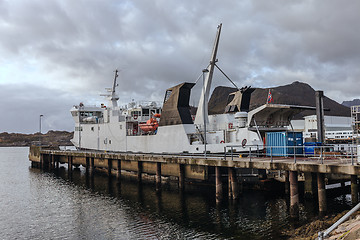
(40, 123)
(204, 111)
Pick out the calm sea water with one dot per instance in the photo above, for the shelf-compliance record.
(54, 205)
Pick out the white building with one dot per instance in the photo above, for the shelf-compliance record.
(336, 128)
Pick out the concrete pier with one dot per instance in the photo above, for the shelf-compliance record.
(197, 168)
(218, 184)
(354, 189)
(294, 193)
(321, 192)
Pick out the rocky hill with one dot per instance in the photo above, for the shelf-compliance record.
(296, 93)
(51, 138)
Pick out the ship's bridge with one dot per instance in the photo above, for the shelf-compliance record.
(87, 114)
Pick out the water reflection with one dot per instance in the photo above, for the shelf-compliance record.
(73, 205)
(255, 215)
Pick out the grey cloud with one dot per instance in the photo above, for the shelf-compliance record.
(157, 44)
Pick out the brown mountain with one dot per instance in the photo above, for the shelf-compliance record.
(353, 102)
(51, 138)
(296, 93)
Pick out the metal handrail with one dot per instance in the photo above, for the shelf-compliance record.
(319, 152)
(322, 235)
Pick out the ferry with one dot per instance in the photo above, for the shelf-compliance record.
(169, 127)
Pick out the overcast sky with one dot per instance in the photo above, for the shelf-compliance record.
(57, 53)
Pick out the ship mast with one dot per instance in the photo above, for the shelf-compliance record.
(113, 97)
(202, 111)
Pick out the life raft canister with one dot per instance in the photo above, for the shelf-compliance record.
(243, 143)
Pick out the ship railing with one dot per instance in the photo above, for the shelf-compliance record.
(321, 154)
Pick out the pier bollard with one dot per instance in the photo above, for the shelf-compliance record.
(158, 177)
(287, 183)
(181, 176)
(294, 193)
(139, 172)
(321, 192)
(354, 189)
(218, 185)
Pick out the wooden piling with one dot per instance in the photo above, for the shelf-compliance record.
(309, 185)
(91, 167)
(287, 183)
(294, 193)
(109, 167)
(354, 189)
(218, 184)
(181, 176)
(53, 161)
(70, 165)
(118, 175)
(139, 172)
(233, 184)
(321, 192)
(158, 176)
(230, 173)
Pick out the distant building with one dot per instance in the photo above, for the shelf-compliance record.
(337, 129)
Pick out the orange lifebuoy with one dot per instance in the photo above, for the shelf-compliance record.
(134, 131)
(135, 117)
(230, 125)
(222, 141)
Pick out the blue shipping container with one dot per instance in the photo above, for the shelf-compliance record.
(281, 143)
(309, 147)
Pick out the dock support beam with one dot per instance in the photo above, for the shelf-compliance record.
(294, 193)
(91, 167)
(158, 176)
(139, 172)
(118, 173)
(70, 164)
(287, 182)
(109, 167)
(309, 185)
(181, 176)
(233, 184)
(321, 192)
(354, 189)
(218, 184)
